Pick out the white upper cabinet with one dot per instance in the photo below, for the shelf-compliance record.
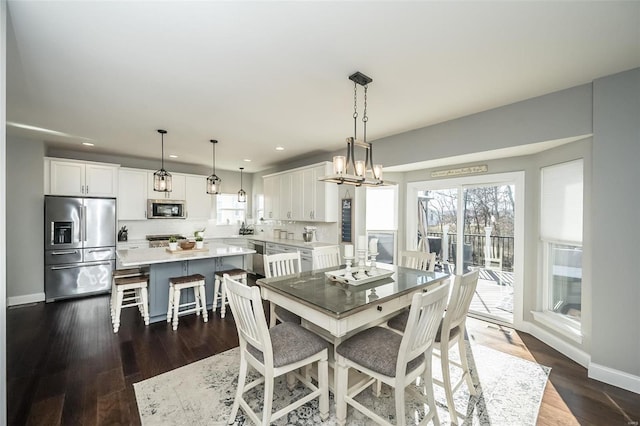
(299, 195)
(81, 178)
(272, 197)
(178, 188)
(199, 203)
(132, 194)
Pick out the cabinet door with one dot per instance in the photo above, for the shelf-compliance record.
(271, 197)
(297, 196)
(67, 178)
(285, 197)
(100, 180)
(132, 194)
(308, 193)
(178, 188)
(198, 201)
(326, 196)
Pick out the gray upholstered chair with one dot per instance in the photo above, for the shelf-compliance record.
(273, 352)
(450, 333)
(391, 358)
(277, 265)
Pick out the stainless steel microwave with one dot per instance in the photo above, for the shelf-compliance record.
(166, 209)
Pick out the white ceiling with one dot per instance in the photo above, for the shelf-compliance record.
(256, 75)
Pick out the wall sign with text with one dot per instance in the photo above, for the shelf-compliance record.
(346, 220)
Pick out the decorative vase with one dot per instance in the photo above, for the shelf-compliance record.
(199, 244)
(173, 246)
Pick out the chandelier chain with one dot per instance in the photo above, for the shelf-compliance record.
(364, 115)
(355, 110)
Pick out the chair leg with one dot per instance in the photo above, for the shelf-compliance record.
(399, 397)
(462, 348)
(176, 307)
(428, 387)
(223, 300)
(241, 380)
(216, 289)
(170, 306)
(116, 321)
(446, 381)
(203, 303)
(145, 305)
(342, 383)
(323, 385)
(268, 398)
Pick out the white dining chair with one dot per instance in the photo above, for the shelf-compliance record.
(325, 257)
(283, 349)
(418, 260)
(451, 332)
(393, 359)
(277, 265)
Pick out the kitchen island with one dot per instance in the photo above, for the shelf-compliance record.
(164, 265)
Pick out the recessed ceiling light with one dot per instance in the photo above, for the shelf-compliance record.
(247, 160)
(173, 156)
(279, 148)
(87, 144)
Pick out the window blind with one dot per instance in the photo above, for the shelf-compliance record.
(561, 202)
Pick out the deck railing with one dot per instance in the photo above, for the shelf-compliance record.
(475, 245)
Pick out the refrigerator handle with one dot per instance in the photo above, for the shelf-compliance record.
(60, 253)
(84, 223)
(52, 236)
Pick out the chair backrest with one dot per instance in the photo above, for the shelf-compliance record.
(248, 314)
(277, 265)
(326, 257)
(464, 287)
(424, 319)
(418, 260)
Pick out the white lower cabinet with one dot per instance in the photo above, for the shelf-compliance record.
(306, 254)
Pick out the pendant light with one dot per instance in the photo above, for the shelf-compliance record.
(242, 195)
(162, 178)
(213, 181)
(346, 169)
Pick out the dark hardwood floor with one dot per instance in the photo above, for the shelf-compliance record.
(66, 366)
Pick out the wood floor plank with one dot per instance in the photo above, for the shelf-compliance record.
(68, 367)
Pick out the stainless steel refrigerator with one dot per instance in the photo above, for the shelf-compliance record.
(79, 246)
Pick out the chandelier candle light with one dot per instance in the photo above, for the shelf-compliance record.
(162, 178)
(213, 181)
(346, 169)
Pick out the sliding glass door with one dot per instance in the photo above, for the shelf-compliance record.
(472, 224)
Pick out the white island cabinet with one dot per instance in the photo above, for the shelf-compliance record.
(80, 178)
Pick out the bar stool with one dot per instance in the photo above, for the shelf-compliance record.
(138, 297)
(127, 294)
(234, 274)
(176, 285)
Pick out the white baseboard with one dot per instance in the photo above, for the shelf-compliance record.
(27, 298)
(614, 377)
(568, 350)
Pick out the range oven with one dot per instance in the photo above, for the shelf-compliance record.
(166, 209)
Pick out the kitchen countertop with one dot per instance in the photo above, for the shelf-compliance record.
(295, 243)
(149, 256)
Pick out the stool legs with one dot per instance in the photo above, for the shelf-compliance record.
(203, 302)
(116, 320)
(145, 305)
(176, 306)
(170, 307)
(216, 289)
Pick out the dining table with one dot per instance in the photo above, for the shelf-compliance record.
(337, 310)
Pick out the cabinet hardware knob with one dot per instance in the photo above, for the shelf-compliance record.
(379, 308)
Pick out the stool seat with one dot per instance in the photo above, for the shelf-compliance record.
(176, 285)
(130, 272)
(128, 291)
(219, 288)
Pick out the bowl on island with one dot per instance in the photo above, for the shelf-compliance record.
(187, 245)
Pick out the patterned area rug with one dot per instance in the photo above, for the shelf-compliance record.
(509, 391)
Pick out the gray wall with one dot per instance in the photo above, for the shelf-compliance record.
(25, 217)
(615, 216)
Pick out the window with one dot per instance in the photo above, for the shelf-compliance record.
(259, 207)
(381, 220)
(561, 236)
(228, 210)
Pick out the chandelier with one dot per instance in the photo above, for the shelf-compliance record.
(346, 169)
(162, 178)
(242, 194)
(213, 181)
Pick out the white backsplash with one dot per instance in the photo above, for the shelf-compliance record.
(139, 229)
(325, 232)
